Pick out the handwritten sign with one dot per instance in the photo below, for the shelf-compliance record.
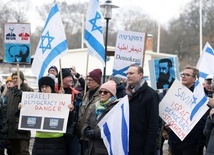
(176, 107)
(44, 111)
(129, 50)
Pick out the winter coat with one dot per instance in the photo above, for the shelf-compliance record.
(121, 90)
(96, 145)
(49, 146)
(12, 113)
(72, 124)
(2, 139)
(144, 121)
(209, 133)
(84, 109)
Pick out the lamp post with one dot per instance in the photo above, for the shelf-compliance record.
(107, 6)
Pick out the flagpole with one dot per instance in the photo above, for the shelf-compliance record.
(83, 27)
(86, 72)
(61, 79)
(106, 42)
(158, 41)
(18, 75)
(200, 14)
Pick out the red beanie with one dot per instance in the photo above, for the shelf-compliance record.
(96, 75)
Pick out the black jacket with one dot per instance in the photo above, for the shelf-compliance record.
(144, 121)
(12, 113)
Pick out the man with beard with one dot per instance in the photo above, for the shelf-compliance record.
(165, 78)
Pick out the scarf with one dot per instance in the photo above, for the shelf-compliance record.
(102, 106)
(131, 90)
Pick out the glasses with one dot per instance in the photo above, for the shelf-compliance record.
(186, 75)
(103, 92)
(89, 80)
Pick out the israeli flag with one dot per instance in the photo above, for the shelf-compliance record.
(52, 45)
(206, 62)
(114, 128)
(93, 37)
(199, 101)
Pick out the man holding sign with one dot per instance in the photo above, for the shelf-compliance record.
(190, 144)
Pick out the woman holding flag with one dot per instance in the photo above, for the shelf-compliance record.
(90, 129)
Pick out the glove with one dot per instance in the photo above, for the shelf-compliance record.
(89, 133)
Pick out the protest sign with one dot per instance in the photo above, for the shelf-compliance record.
(163, 72)
(17, 43)
(129, 50)
(177, 107)
(44, 112)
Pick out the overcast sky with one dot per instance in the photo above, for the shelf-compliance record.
(162, 10)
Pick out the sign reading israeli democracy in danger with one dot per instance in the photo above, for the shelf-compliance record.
(44, 111)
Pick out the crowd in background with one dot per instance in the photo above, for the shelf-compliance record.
(91, 100)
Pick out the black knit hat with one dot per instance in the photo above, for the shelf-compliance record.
(65, 72)
(54, 67)
(46, 80)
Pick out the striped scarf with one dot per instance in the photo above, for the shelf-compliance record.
(131, 90)
(101, 106)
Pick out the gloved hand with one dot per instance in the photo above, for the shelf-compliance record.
(89, 133)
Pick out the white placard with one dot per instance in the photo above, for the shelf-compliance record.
(129, 50)
(176, 108)
(44, 111)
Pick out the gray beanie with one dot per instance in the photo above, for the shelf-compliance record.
(116, 79)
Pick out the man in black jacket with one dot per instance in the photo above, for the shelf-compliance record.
(19, 139)
(190, 144)
(144, 116)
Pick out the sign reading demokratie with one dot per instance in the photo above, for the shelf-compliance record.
(129, 50)
(44, 112)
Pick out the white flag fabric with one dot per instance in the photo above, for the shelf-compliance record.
(206, 62)
(200, 100)
(114, 128)
(52, 45)
(93, 37)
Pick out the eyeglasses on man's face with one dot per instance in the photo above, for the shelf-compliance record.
(186, 75)
(89, 80)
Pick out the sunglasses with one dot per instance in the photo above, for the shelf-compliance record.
(103, 92)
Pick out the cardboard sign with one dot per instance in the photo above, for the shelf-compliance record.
(176, 108)
(44, 112)
(129, 50)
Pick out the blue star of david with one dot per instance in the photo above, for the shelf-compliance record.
(194, 100)
(93, 22)
(47, 38)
